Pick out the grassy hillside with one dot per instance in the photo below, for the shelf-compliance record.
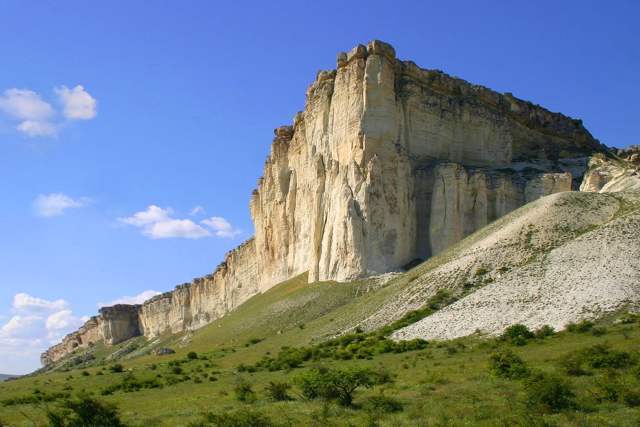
(4, 377)
(282, 357)
(446, 383)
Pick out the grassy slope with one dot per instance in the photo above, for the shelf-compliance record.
(435, 384)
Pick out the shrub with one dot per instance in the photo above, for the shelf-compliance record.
(117, 368)
(507, 364)
(176, 369)
(598, 331)
(253, 341)
(572, 364)
(335, 384)
(192, 355)
(238, 418)
(517, 334)
(549, 392)
(277, 391)
(85, 374)
(545, 331)
(83, 412)
(632, 398)
(602, 356)
(244, 392)
(581, 327)
(609, 387)
(383, 404)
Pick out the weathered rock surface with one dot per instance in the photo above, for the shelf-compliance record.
(609, 174)
(388, 158)
(387, 164)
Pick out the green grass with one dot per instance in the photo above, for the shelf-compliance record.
(446, 383)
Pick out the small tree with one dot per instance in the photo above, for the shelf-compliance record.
(277, 391)
(549, 392)
(244, 392)
(517, 334)
(507, 364)
(85, 412)
(335, 384)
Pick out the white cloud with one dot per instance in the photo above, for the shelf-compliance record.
(137, 299)
(24, 104)
(152, 215)
(196, 210)
(158, 223)
(77, 103)
(37, 118)
(55, 204)
(26, 302)
(30, 110)
(34, 128)
(36, 324)
(184, 228)
(221, 227)
(21, 326)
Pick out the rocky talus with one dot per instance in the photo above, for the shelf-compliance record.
(387, 164)
(561, 259)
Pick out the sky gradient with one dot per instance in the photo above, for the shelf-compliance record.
(131, 135)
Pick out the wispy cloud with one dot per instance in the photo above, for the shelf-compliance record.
(221, 227)
(136, 299)
(36, 117)
(196, 210)
(159, 223)
(54, 204)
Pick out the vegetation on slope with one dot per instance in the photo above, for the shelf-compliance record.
(587, 375)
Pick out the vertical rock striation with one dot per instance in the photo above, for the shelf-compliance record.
(388, 163)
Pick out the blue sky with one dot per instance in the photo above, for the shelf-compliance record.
(109, 109)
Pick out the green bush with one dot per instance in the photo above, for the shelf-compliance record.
(238, 418)
(244, 391)
(572, 363)
(84, 412)
(544, 332)
(277, 391)
(602, 356)
(335, 384)
(192, 355)
(117, 368)
(598, 331)
(507, 364)
(549, 393)
(581, 327)
(383, 404)
(517, 334)
(131, 384)
(632, 398)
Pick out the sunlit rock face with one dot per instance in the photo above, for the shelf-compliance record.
(387, 164)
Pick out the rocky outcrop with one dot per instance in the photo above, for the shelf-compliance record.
(388, 158)
(387, 164)
(609, 173)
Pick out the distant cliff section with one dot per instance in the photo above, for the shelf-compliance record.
(387, 165)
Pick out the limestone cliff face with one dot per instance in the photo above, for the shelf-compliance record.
(189, 306)
(193, 305)
(388, 163)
